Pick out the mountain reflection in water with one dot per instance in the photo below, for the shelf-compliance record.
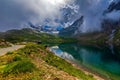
(101, 60)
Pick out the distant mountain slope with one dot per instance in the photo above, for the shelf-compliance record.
(28, 35)
(115, 5)
(70, 31)
(109, 26)
(19, 35)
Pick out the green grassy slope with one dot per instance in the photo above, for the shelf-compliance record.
(34, 62)
(29, 35)
(96, 38)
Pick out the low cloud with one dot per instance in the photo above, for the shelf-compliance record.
(16, 13)
(92, 10)
(114, 15)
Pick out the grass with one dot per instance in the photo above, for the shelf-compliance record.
(18, 67)
(116, 41)
(17, 58)
(117, 38)
(34, 62)
(61, 64)
(17, 64)
(95, 38)
(29, 35)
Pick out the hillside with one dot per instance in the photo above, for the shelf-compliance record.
(34, 62)
(30, 35)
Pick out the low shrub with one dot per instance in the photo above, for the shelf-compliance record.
(61, 64)
(17, 58)
(19, 67)
(9, 53)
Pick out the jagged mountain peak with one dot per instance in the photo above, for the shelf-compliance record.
(70, 31)
(114, 5)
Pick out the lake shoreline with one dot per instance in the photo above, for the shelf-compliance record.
(86, 70)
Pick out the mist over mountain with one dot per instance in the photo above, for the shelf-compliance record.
(96, 11)
(17, 13)
(101, 16)
(73, 29)
(54, 13)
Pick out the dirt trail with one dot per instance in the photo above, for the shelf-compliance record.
(9, 49)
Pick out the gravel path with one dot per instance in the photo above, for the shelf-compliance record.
(9, 49)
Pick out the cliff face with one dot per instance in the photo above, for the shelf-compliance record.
(71, 30)
(110, 28)
(115, 5)
(113, 25)
(109, 24)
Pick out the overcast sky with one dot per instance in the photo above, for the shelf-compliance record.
(17, 13)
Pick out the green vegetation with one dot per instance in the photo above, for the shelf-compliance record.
(34, 62)
(116, 41)
(96, 38)
(117, 37)
(17, 58)
(101, 38)
(29, 35)
(18, 67)
(65, 66)
(17, 64)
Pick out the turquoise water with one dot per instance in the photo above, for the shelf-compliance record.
(100, 60)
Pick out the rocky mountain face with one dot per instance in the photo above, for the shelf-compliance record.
(71, 30)
(107, 24)
(110, 32)
(115, 5)
(69, 14)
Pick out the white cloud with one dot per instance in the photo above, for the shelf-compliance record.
(114, 15)
(44, 8)
(92, 10)
(35, 11)
(16, 13)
